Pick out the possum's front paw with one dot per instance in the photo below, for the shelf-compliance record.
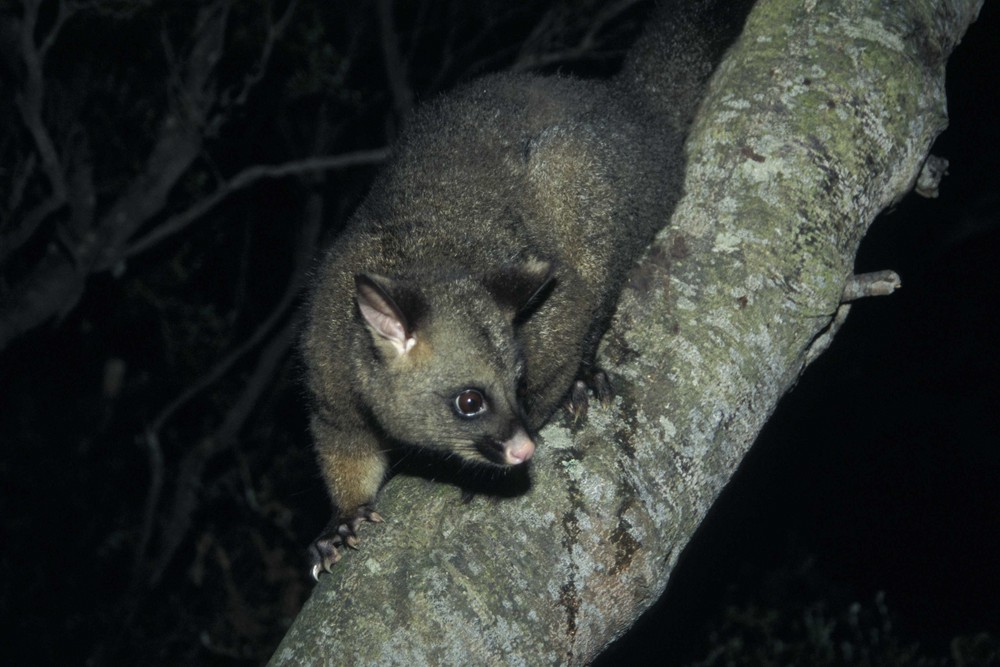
(325, 550)
(597, 381)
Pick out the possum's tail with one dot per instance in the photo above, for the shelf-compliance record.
(671, 62)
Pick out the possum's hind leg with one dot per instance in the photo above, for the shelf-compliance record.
(593, 379)
(325, 550)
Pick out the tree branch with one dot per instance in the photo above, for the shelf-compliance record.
(534, 54)
(395, 67)
(55, 284)
(275, 30)
(30, 102)
(188, 487)
(819, 118)
(195, 460)
(247, 177)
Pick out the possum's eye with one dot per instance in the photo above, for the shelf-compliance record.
(470, 403)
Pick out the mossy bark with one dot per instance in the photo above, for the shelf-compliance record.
(820, 117)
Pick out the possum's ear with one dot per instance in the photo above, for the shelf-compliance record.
(520, 288)
(389, 320)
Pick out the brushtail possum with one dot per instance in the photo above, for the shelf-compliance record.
(464, 302)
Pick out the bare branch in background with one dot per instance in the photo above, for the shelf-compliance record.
(189, 485)
(462, 52)
(154, 453)
(537, 50)
(248, 176)
(192, 467)
(30, 101)
(30, 104)
(55, 284)
(275, 30)
(395, 66)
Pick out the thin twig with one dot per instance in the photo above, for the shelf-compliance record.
(395, 67)
(227, 362)
(154, 452)
(30, 102)
(586, 46)
(274, 33)
(29, 223)
(193, 464)
(64, 12)
(179, 221)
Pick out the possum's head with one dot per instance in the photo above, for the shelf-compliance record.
(443, 365)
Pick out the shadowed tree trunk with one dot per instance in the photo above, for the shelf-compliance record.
(821, 116)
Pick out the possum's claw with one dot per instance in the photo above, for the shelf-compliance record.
(597, 381)
(324, 554)
(600, 384)
(341, 531)
(578, 402)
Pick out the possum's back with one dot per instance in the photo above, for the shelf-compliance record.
(513, 166)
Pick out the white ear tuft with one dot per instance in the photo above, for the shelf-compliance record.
(384, 317)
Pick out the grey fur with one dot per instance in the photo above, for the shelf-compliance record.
(499, 237)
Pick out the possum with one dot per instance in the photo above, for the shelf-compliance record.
(464, 302)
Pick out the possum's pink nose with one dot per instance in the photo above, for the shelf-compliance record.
(518, 448)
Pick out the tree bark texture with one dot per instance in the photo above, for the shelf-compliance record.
(821, 116)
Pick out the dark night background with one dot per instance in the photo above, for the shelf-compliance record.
(144, 523)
